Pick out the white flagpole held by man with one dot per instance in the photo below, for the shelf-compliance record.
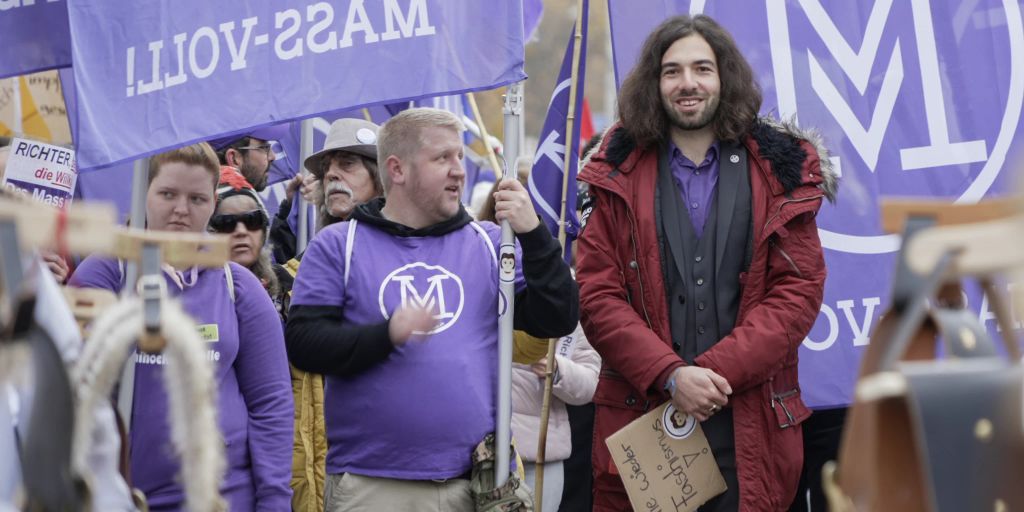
(503, 420)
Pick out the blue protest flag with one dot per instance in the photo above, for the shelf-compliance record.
(546, 177)
(178, 72)
(34, 36)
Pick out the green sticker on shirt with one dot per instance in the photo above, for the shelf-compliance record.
(209, 333)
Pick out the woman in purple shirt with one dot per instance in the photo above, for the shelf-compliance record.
(245, 344)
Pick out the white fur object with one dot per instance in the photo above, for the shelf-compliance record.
(188, 378)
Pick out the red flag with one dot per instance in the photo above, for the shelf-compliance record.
(586, 125)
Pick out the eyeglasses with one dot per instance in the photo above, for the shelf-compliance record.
(266, 148)
(254, 220)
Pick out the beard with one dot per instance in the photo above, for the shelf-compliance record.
(257, 179)
(695, 122)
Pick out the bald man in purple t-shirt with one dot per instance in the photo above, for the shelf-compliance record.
(398, 307)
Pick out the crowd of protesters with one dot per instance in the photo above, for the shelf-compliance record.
(699, 271)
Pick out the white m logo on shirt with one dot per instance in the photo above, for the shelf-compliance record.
(433, 300)
(404, 287)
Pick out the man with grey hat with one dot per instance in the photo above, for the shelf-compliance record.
(346, 168)
(342, 176)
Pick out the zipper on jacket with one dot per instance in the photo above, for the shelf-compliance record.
(786, 256)
(632, 238)
(783, 205)
(639, 277)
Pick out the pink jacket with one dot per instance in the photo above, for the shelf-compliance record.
(575, 382)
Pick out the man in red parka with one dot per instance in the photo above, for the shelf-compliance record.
(699, 263)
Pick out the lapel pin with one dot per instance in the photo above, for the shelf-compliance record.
(734, 159)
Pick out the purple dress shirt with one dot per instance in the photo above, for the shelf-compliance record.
(696, 183)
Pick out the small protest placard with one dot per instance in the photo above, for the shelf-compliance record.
(665, 462)
(44, 171)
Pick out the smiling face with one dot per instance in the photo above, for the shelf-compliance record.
(436, 176)
(180, 198)
(245, 243)
(689, 84)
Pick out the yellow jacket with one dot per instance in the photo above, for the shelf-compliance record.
(309, 451)
(309, 446)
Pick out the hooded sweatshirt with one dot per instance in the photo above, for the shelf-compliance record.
(416, 411)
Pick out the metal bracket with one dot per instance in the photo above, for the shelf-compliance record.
(152, 289)
(513, 100)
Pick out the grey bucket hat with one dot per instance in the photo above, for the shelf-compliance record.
(353, 135)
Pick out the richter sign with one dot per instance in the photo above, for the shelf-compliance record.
(44, 171)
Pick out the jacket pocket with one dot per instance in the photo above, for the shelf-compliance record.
(786, 412)
(614, 391)
(617, 405)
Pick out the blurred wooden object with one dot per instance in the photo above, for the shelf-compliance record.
(916, 419)
(87, 228)
(895, 212)
(87, 303)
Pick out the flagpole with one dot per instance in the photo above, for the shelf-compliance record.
(491, 157)
(305, 150)
(549, 377)
(18, 123)
(503, 400)
(137, 222)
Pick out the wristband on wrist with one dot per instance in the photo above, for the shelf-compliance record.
(670, 386)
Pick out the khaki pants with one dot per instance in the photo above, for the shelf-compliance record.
(349, 492)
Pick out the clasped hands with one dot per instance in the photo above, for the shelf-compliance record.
(699, 392)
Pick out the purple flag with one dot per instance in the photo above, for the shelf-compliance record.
(34, 36)
(893, 87)
(532, 12)
(111, 184)
(178, 72)
(547, 178)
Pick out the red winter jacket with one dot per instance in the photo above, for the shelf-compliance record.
(625, 309)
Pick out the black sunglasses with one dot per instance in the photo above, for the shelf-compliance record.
(254, 220)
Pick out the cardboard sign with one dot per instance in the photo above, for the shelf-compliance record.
(44, 171)
(665, 462)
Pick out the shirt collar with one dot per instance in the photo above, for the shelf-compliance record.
(710, 157)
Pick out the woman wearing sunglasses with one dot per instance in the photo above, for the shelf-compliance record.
(241, 215)
(246, 347)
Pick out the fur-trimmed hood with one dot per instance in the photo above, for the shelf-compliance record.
(778, 141)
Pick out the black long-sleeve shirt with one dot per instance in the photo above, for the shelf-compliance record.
(319, 341)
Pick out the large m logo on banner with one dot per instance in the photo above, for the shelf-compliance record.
(901, 75)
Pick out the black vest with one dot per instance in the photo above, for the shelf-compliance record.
(702, 275)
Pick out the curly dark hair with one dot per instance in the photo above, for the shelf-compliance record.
(640, 108)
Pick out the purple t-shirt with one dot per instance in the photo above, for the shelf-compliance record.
(696, 183)
(255, 411)
(418, 414)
